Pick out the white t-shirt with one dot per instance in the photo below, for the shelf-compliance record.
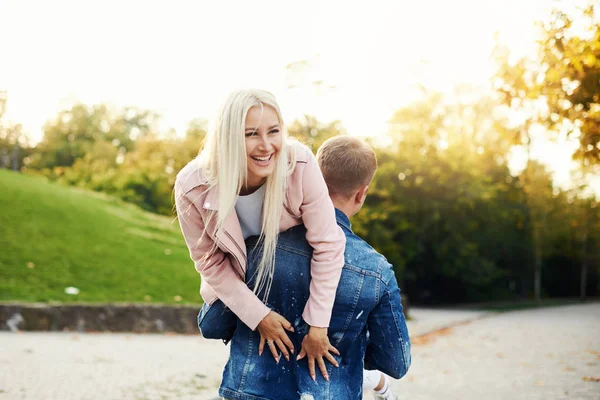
(249, 212)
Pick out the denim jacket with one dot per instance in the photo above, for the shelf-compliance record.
(367, 325)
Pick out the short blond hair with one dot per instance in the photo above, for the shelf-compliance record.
(347, 163)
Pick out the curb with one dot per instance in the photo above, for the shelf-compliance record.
(136, 318)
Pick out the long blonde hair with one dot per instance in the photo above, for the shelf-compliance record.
(224, 159)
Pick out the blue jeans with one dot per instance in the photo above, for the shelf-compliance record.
(216, 321)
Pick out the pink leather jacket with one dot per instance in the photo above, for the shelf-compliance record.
(307, 201)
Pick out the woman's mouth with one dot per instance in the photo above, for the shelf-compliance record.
(262, 160)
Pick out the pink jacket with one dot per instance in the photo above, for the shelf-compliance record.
(307, 201)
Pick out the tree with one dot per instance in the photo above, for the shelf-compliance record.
(442, 198)
(570, 62)
(313, 133)
(13, 144)
(558, 90)
(73, 133)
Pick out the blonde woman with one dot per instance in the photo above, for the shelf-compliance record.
(249, 179)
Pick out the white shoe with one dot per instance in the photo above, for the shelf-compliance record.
(388, 395)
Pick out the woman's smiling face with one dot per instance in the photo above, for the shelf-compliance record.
(263, 143)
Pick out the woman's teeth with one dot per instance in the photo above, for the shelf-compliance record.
(265, 158)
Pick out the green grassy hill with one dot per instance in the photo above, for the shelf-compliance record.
(53, 237)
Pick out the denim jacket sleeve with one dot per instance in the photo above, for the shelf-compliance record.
(389, 344)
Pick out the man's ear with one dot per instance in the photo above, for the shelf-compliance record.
(361, 194)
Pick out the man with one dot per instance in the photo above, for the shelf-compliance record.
(367, 325)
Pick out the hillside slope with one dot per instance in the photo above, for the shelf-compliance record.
(53, 237)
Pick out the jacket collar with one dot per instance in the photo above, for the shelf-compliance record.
(342, 219)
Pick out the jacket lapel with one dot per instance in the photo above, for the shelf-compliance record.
(230, 236)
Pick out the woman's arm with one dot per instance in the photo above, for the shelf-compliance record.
(328, 242)
(215, 267)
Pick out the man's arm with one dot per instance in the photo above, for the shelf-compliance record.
(389, 345)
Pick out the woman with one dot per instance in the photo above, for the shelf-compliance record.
(250, 180)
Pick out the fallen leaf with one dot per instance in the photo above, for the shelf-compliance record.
(30, 265)
(428, 337)
(591, 378)
(569, 369)
(539, 383)
(500, 355)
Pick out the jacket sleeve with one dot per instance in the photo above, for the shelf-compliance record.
(215, 266)
(328, 242)
(389, 344)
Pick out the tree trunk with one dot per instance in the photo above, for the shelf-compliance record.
(15, 157)
(537, 285)
(584, 265)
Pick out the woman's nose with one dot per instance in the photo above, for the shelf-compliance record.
(265, 143)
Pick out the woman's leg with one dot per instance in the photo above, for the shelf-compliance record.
(216, 321)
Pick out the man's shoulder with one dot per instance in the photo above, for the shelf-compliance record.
(362, 255)
(358, 254)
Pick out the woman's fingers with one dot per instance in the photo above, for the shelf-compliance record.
(283, 349)
(286, 325)
(261, 345)
(323, 368)
(311, 368)
(332, 360)
(334, 350)
(285, 339)
(273, 349)
(301, 355)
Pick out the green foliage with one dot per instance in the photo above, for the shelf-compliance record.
(13, 145)
(93, 148)
(447, 213)
(313, 133)
(73, 133)
(559, 88)
(54, 237)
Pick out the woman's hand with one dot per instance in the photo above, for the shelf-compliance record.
(272, 332)
(315, 346)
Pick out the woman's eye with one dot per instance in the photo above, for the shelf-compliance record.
(274, 131)
(253, 133)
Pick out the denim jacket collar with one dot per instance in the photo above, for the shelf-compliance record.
(342, 219)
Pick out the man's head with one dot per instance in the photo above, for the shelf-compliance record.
(348, 165)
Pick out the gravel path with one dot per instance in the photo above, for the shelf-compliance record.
(534, 354)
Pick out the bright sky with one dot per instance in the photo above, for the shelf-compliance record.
(180, 58)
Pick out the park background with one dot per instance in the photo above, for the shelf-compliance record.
(485, 117)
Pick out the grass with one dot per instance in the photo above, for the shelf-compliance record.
(53, 237)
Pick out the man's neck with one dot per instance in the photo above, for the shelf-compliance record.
(344, 206)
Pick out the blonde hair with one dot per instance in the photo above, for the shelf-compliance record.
(224, 159)
(347, 163)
